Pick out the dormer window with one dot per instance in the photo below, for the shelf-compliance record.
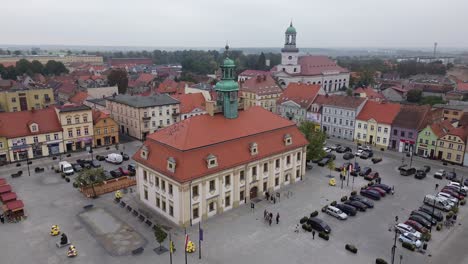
(211, 161)
(287, 139)
(34, 128)
(253, 149)
(144, 152)
(171, 164)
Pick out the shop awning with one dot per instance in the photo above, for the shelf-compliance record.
(15, 205)
(8, 197)
(5, 188)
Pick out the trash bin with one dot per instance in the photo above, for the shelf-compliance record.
(425, 246)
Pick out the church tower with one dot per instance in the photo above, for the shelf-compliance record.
(227, 89)
(290, 54)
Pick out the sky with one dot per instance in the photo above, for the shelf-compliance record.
(242, 23)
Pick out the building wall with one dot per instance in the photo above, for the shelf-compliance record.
(21, 146)
(106, 132)
(450, 148)
(329, 82)
(225, 195)
(101, 92)
(403, 140)
(35, 98)
(292, 111)
(452, 114)
(266, 101)
(4, 156)
(81, 121)
(338, 121)
(195, 112)
(371, 132)
(427, 143)
(392, 95)
(138, 122)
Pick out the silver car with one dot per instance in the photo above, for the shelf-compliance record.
(333, 211)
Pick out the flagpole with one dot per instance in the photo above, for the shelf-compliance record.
(200, 234)
(171, 248)
(185, 247)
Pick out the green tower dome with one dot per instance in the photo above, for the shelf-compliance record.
(228, 63)
(227, 89)
(291, 29)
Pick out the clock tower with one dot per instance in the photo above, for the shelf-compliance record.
(290, 54)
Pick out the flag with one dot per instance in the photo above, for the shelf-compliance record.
(186, 240)
(350, 167)
(200, 234)
(171, 246)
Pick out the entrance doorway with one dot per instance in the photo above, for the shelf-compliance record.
(371, 140)
(432, 154)
(69, 146)
(253, 192)
(122, 128)
(439, 155)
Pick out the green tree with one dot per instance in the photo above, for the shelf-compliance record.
(331, 165)
(349, 92)
(118, 77)
(37, 67)
(432, 100)
(55, 68)
(414, 96)
(261, 62)
(160, 235)
(24, 66)
(17, 52)
(90, 177)
(316, 140)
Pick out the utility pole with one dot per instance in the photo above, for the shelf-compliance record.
(394, 242)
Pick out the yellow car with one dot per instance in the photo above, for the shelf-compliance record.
(332, 182)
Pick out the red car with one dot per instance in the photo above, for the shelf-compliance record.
(452, 193)
(372, 176)
(377, 189)
(417, 226)
(123, 171)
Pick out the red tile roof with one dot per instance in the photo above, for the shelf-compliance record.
(300, 93)
(261, 85)
(189, 102)
(78, 98)
(440, 129)
(382, 112)
(192, 140)
(317, 65)
(98, 115)
(370, 93)
(461, 86)
(253, 73)
(67, 88)
(344, 101)
(413, 117)
(145, 78)
(320, 99)
(16, 124)
(171, 86)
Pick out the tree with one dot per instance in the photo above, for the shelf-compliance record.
(261, 62)
(37, 67)
(55, 68)
(349, 92)
(331, 166)
(118, 77)
(160, 235)
(90, 177)
(17, 52)
(316, 140)
(414, 96)
(432, 100)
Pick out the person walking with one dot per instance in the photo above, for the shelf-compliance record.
(265, 214)
(269, 222)
(436, 186)
(277, 218)
(274, 200)
(313, 234)
(2, 218)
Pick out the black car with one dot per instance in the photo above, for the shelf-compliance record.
(347, 209)
(433, 212)
(84, 163)
(384, 187)
(319, 225)
(324, 162)
(100, 157)
(420, 174)
(331, 156)
(451, 176)
(95, 164)
(425, 216)
(420, 220)
(363, 200)
(348, 156)
(374, 195)
(343, 149)
(376, 160)
(465, 182)
(426, 168)
(364, 155)
(125, 157)
(356, 204)
(131, 168)
(365, 171)
(116, 173)
(77, 167)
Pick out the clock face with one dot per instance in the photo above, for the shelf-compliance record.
(290, 57)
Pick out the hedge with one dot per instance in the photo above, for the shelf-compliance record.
(462, 202)
(324, 235)
(353, 193)
(351, 248)
(439, 227)
(344, 198)
(408, 246)
(455, 210)
(426, 236)
(380, 261)
(449, 215)
(307, 227)
(314, 214)
(333, 203)
(324, 209)
(303, 220)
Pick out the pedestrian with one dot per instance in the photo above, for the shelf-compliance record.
(2, 219)
(270, 221)
(274, 200)
(277, 218)
(267, 195)
(271, 198)
(436, 186)
(313, 234)
(265, 213)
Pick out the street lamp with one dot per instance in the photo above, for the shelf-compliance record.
(394, 242)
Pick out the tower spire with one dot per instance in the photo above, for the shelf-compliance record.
(227, 88)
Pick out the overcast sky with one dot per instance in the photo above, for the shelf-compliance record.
(244, 23)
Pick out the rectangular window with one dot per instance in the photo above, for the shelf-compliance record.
(359, 135)
(47, 137)
(277, 163)
(276, 181)
(145, 193)
(402, 133)
(298, 156)
(86, 131)
(145, 176)
(450, 145)
(298, 173)
(372, 128)
(265, 167)
(195, 191)
(227, 201)
(385, 130)
(168, 121)
(449, 155)
(163, 207)
(458, 157)
(426, 141)
(433, 143)
(98, 131)
(365, 126)
(421, 140)
(78, 132)
(359, 125)
(157, 181)
(105, 130)
(385, 140)
(70, 133)
(211, 206)
(77, 119)
(212, 186)
(227, 180)
(460, 147)
(288, 159)
(163, 185)
(170, 188)
(56, 136)
(195, 213)
(441, 144)
(378, 139)
(410, 134)
(241, 175)
(171, 210)
(158, 202)
(254, 171)
(395, 132)
(35, 139)
(241, 195)
(379, 129)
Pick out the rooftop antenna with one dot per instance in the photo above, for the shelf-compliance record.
(435, 49)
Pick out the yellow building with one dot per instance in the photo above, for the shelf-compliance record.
(77, 124)
(106, 130)
(373, 123)
(452, 112)
(30, 134)
(261, 90)
(451, 144)
(22, 100)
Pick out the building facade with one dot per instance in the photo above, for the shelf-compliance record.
(452, 112)
(77, 124)
(261, 90)
(138, 116)
(209, 164)
(14, 100)
(296, 101)
(427, 141)
(451, 145)
(106, 130)
(339, 115)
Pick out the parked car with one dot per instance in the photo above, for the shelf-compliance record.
(359, 152)
(451, 176)
(376, 160)
(443, 198)
(420, 220)
(426, 168)
(86, 164)
(327, 149)
(438, 203)
(465, 182)
(125, 156)
(347, 209)
(365, 155)
(319, 225)
(404, 228)
(331, 156)
(407, 171)
(356, 204)
(66, 167)
(420, 174)
(114, 158)
(116, 173)
(458, 185)
(343, 149)
(363, 200)
(440, 174)
(77, 167)
(316, 160)
(402, 166)
(372, 176)
(365, 171)
(324, 162)
(427, 217)
(417, 226)
(433, 212)
(95, 164)
(456, 189)
(366, 147)
(335, 212)
(334, 147)
(348, 156)
(453, 193)
(410, 238)
(448, 196)
(385, 187)
(123, 171)
(374, 195)
(100, 157)
(377, 189)
(132, 169)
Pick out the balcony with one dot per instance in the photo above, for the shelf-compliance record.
(146, 118)
(175, 114)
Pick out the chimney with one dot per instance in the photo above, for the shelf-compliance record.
(210, 107)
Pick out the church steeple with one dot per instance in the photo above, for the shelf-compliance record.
(290, 39)
(227, 88)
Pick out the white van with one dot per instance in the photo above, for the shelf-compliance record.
(66, 167)
(436, 202)
(114, 158)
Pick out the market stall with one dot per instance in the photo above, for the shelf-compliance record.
(5, 188)
(2, 182)
(8, 197)
(14, 210)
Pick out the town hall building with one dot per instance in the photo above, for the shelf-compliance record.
(208, 164)
(309, 69)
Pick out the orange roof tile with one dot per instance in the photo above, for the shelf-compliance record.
(15, 124)
(440, 129)
(192, 140)
(461, 86)
(261, 85)
(382, 112)
(78, 98)
(189, 102)
(370, 93)
(300, 93)
(171, 86)
(98, 115)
